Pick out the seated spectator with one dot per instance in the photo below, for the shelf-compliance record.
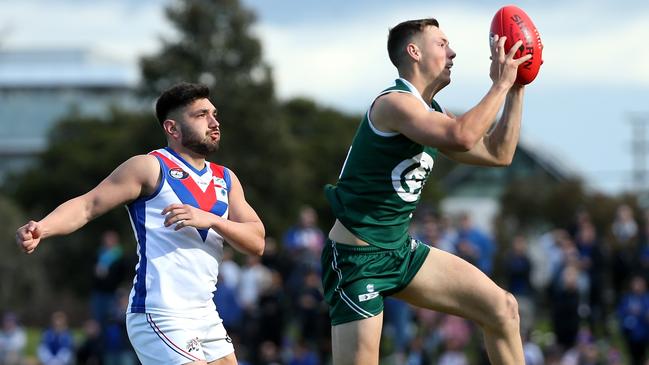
(12, 341)
(483, 247)
(303, 354)
(531, 350)
(57, 344)
(585, 351)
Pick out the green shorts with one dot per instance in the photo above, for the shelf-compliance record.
(357, 278)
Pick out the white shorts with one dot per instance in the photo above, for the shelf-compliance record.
(159, 339)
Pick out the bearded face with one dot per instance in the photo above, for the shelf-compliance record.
(202, 143)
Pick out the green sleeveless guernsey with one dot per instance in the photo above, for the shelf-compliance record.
(381, 180)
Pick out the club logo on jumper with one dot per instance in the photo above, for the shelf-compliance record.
(371, 294)
(193, 345)
(178, 173)
(220, 185)
(409, 176)
(218, 182)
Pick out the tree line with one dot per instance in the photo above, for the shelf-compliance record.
(283, 151)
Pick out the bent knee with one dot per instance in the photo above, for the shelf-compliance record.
(505, 315)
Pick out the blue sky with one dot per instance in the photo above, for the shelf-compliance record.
(594, 80)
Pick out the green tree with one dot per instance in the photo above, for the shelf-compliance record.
(283, 152)
(322, 137)
(214, 46)
(81, 152)
(21, 280)
(26, 280)
(533, 204)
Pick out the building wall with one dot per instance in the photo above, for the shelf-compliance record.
(39, 87)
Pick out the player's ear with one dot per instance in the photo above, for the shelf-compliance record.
(171, 127)
(413, 51)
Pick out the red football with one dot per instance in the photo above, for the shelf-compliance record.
(512, 22)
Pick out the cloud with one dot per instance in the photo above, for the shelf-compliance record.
(594, 54)
(124, 30)
(333, 59)
(596, 45)
(592, 42)
(338, 62)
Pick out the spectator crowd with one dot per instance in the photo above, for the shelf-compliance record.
(582, 295)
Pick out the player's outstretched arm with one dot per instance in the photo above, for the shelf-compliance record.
(124, 184)
(404, 114)
(498, 147)
(243, 229)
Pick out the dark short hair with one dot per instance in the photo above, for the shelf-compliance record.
(178, 96)
(401, 34)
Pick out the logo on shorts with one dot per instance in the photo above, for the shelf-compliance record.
(368, 296)
(371, 294)
(228, 339)
(178, 173)
(193, 345)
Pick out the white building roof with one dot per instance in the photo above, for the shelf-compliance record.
(35, 68)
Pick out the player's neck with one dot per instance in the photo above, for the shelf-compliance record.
(427, 89)
(196, 160)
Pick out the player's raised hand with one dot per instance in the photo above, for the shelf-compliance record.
(514, 23)
(504, 66)
(185, 215)
(29, 236)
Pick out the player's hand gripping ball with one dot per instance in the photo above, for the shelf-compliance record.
(515, 24)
